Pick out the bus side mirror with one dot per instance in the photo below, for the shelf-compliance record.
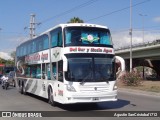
(122, 62)
(122, 66)
(65, 64)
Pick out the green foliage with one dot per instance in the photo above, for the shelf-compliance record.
(10, 61)
(13, 55)
(75, 20)
(6, 62)
(132, 79)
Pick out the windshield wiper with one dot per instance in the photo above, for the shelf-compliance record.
(106, 79)
(83, 81)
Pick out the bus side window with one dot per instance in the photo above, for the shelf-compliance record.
(33, 72)
(48, 72)
(54, 71)
(56, 37)
(44, 75)
(60, 39)
(38, 71)
(27, 70)
(60, 71)
(45, 42)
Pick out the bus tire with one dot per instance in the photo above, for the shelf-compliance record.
(24, 91)
(51, 98)
(6, 86)
(14, 84)
(21, 89)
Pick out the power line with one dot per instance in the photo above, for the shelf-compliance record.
(67, 12)
(70, 10)
(117, 10)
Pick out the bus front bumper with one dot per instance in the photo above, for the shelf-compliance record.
(90, 98)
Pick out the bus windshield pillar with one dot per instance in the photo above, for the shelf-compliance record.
(65, 63)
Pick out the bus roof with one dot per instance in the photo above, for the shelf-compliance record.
(67, 25)
(75, 24)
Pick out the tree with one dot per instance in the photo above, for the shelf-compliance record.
(9, 61)
(13, 54)
(6, 62)
(75, 20)
(2, 61)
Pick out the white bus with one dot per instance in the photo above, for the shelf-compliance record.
(69, 63)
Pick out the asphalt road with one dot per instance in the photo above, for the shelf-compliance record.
(12, 100)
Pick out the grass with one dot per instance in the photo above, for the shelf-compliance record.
(147, 85)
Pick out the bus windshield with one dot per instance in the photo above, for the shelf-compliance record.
(91, 69)
(87, 36)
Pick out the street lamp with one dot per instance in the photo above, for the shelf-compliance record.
(143, 15)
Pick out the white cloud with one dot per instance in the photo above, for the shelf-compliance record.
(5, 56)
(9, 44)
(156, 19)
(122, 39)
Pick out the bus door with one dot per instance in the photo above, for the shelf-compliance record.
(59, 86)
(44, 78)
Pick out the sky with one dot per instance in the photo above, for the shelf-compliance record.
(115, 14)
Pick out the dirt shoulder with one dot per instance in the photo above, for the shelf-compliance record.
(147, 85)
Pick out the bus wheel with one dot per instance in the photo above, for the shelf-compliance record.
(24, 91)
(51, 98)
(14, 84)
(6, 86)
(21, 89)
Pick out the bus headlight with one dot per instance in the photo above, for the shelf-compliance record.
(115, 86)
(70, 88)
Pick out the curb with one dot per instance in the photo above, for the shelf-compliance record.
(139, 92)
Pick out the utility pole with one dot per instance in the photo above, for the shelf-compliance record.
(130, 35)
(142, 15)
(32, 26)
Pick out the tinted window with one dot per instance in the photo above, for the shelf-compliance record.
(88, 36)
(32, 46)
(45, 42)
(56, 37)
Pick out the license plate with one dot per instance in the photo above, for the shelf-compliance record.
(95, 98)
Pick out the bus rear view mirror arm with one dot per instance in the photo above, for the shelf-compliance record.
(122, 66)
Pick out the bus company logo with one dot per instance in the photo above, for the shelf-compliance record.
(44, 56)
(56, 54)
(90, 39)
(32, 58)
(90, 50)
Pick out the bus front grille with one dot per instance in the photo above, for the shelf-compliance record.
(94, 89)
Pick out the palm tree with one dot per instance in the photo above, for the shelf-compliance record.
(75, 20)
